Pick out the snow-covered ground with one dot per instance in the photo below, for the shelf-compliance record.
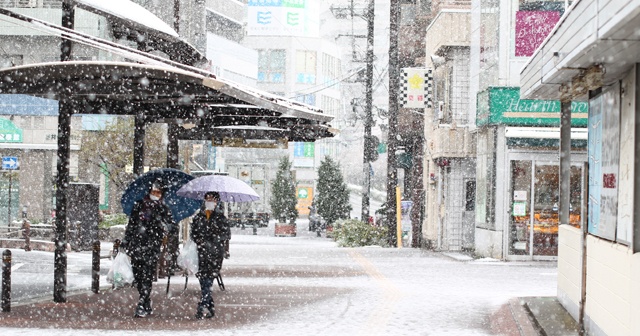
(395, 291)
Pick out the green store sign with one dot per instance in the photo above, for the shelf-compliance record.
(9, 132)
(503, 106)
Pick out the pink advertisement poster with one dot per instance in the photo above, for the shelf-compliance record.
(532, 27)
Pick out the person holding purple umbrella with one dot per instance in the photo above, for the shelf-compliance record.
(209, 231)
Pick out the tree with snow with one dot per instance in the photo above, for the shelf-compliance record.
(283, 192)
(332, 196)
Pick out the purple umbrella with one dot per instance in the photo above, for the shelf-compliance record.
(230, 189)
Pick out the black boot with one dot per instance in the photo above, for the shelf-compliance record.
(212, 311)
(140, 309)
(200, 312)
(147, 306)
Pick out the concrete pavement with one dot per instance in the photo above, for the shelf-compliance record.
(267, 277)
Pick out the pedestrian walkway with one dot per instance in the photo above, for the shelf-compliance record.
(113, 309)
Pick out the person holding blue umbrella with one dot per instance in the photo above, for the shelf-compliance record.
(146, 231)
(209, 231)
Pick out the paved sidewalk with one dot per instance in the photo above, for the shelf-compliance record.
(113, 309)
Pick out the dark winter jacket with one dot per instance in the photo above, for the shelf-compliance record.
(147, 227)
(209, 236)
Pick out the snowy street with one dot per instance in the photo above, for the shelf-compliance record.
(326, 290)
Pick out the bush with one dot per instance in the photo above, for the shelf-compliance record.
(111, 220)
(352, 233)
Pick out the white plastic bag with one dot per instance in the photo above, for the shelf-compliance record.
(121, 273)
(188, 258)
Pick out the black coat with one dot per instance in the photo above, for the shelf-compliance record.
(147, 227)
(209, 236)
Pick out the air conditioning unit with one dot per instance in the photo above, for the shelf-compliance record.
(27, 3)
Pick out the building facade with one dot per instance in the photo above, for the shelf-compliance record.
(592, 56)
(450, 138)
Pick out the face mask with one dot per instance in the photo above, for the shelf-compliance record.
(210, 205)
(154, 198)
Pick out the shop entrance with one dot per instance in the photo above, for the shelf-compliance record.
(534, 205)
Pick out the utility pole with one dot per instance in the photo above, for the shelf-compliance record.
(368, 119)
(394, 83)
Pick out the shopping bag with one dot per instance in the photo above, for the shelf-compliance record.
(188, 258)
(120, 274)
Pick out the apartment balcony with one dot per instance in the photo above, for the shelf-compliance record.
(448, 29)
(451, 142)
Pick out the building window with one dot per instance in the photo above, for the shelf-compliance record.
(271, 66)
(309, 99)
(330, 68)
(306, 67)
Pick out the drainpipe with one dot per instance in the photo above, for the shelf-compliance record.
(439, 207)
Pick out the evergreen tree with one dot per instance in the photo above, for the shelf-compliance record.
(283, 192)
(332, 196)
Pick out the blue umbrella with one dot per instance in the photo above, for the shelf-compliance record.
(173, 179)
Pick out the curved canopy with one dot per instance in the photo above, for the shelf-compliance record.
(164, 92)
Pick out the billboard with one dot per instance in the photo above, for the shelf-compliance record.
(283, 18)
(532, 27)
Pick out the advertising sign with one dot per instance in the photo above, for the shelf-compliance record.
(532, 27)
(283, 18)
(604, 155)
(503, 106)
(416, 88)
(305, 198)
(304, 149)
(9, 132)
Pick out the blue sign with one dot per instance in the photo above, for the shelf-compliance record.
(10, 163)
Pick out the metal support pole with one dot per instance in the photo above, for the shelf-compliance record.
(95, 267)
(394, 86)
(9, 201)
(6, 281)
(62, 178)
(138, 145)
(62, 183)
(172, 146)
(565, 161)
(368, 120)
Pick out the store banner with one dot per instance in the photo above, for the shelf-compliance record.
(503, 106)
(416, 88)
(532, 27)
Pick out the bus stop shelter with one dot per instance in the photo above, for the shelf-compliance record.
(214, 108)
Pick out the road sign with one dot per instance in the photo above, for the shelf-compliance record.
(10, 163)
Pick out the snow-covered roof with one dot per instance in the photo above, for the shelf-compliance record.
(129, 11)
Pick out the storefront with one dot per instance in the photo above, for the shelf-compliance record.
(518, 172)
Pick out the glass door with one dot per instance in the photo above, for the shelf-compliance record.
(534, 217)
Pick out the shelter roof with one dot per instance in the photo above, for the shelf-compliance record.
(161, 92)
(133, 21)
